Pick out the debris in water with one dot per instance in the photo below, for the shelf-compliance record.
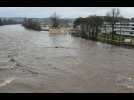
(19, 65)
(7, 81)
(56, 47)
(12, 60)
(6, 68)
(125, 81)
(61, 47)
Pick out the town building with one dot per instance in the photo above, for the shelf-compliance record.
(124, 28)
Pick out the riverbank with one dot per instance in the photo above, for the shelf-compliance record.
(118, 40)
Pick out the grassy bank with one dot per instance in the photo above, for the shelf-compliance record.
(117, 39)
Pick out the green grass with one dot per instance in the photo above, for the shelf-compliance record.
(117, 39)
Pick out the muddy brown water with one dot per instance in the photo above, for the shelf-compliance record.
(32, 61)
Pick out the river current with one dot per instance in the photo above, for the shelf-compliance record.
(32, 61)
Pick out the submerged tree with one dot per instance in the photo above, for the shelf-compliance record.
(90, 26)
(31, 24)
(55, 20)
(95, 23)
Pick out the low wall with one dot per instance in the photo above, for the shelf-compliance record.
(58, 31)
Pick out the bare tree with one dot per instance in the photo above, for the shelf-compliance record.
(105, 32)
(55, 20)
(121, 24)
(113, 18)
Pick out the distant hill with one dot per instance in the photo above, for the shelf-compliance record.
(19, 20)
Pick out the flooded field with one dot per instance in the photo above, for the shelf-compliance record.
(32, 61)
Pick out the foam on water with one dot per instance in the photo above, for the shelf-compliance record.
(7, 81)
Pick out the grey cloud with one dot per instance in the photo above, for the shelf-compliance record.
(62, 11)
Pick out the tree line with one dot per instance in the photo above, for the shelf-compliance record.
(7, 22)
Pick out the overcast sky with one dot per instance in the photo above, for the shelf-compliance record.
(68, 12)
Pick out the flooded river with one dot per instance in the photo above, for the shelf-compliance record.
(32, 61)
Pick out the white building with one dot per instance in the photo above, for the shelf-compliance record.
(125, 28)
